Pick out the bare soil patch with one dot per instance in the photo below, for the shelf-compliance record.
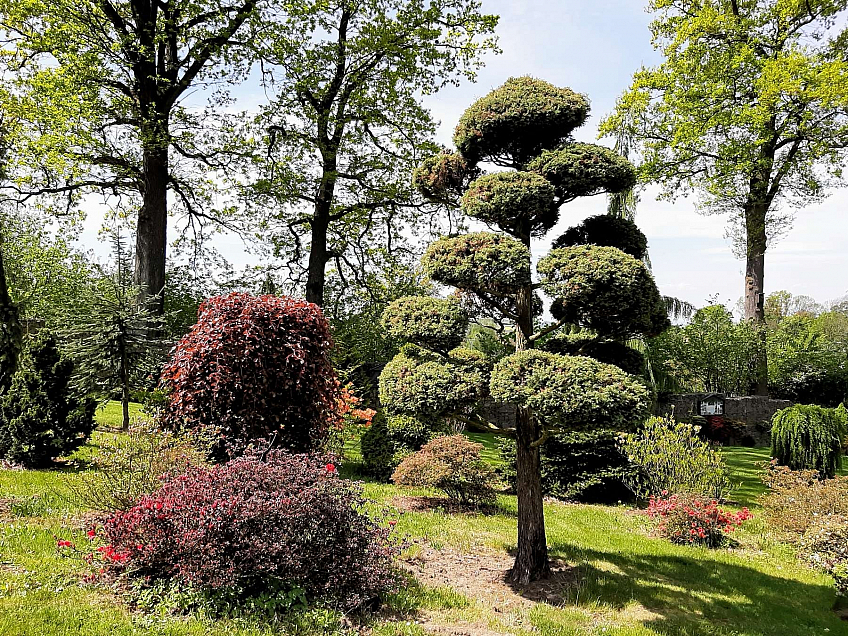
(482, 576)
(428, 504)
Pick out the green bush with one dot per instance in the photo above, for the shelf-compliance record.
(42, 416)
(808, 437)
(129, 466)
(669, 457)
(421, 383)
(519, 120)
(574, 392)
(433, 323)
(607, 351)
(389, 439)
(484, 261)
(588, 467)
(608, 231)
(451, 464)
(603, 289)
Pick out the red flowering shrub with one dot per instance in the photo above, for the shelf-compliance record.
(254, 367)
(694, 521)
(286, 521)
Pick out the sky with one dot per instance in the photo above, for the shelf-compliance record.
(594, 47)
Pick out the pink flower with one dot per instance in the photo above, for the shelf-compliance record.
(61, 543)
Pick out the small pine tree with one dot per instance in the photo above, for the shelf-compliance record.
(808, 437)
(41, 415)
(113, 337)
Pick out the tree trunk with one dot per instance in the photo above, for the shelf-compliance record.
(319, 255)
(152, 228)
(755, 230)
(531, 559)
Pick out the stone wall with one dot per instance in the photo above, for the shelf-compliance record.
(747, 419)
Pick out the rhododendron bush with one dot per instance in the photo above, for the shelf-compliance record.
(694, 521)
(255, 367)
(258, 522)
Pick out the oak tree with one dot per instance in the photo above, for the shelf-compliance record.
(749, 109)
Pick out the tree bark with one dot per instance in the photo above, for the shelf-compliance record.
(319, 255)
(756, 242)
(531, 559)
(152, 227)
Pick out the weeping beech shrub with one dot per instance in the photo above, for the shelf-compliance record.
(808, 437)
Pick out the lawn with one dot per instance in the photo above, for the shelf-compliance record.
(619, 579)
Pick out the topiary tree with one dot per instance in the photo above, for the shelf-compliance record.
(525, 127)
(41, 415)
(254, 367)
(808, 437)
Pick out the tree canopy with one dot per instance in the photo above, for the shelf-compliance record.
(748, 110)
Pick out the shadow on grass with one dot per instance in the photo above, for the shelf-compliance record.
(692, 595)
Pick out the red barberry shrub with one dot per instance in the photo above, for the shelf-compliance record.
(254, 367)
(451, 464)
(694, 521)
(256, 523)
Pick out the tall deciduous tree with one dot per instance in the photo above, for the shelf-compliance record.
(97, 92)
(346, 124)
(525, 127)
(749, 110)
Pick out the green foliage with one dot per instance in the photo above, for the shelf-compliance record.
(389, 439)
(806, 364)
(112, 337)
(584, 466)
(378, 451)
(482, 261)
(712, 353)
(433, 323)
(517, 121)
(125, 467)
(608, 231)
(603, 289)
(424, 384)
(808, 437)
(670, 458)
(713, 114)
(582, 170)
(41, 415)
(517, 202)
(43, 271)
(451, 464)
(444, 176)
(346, 119)
(11, 334)
(570, 391)
(624, 357)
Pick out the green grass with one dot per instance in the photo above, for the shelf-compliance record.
(110, 415)
(624, 580)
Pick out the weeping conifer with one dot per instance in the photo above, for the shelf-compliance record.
(808, 437)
